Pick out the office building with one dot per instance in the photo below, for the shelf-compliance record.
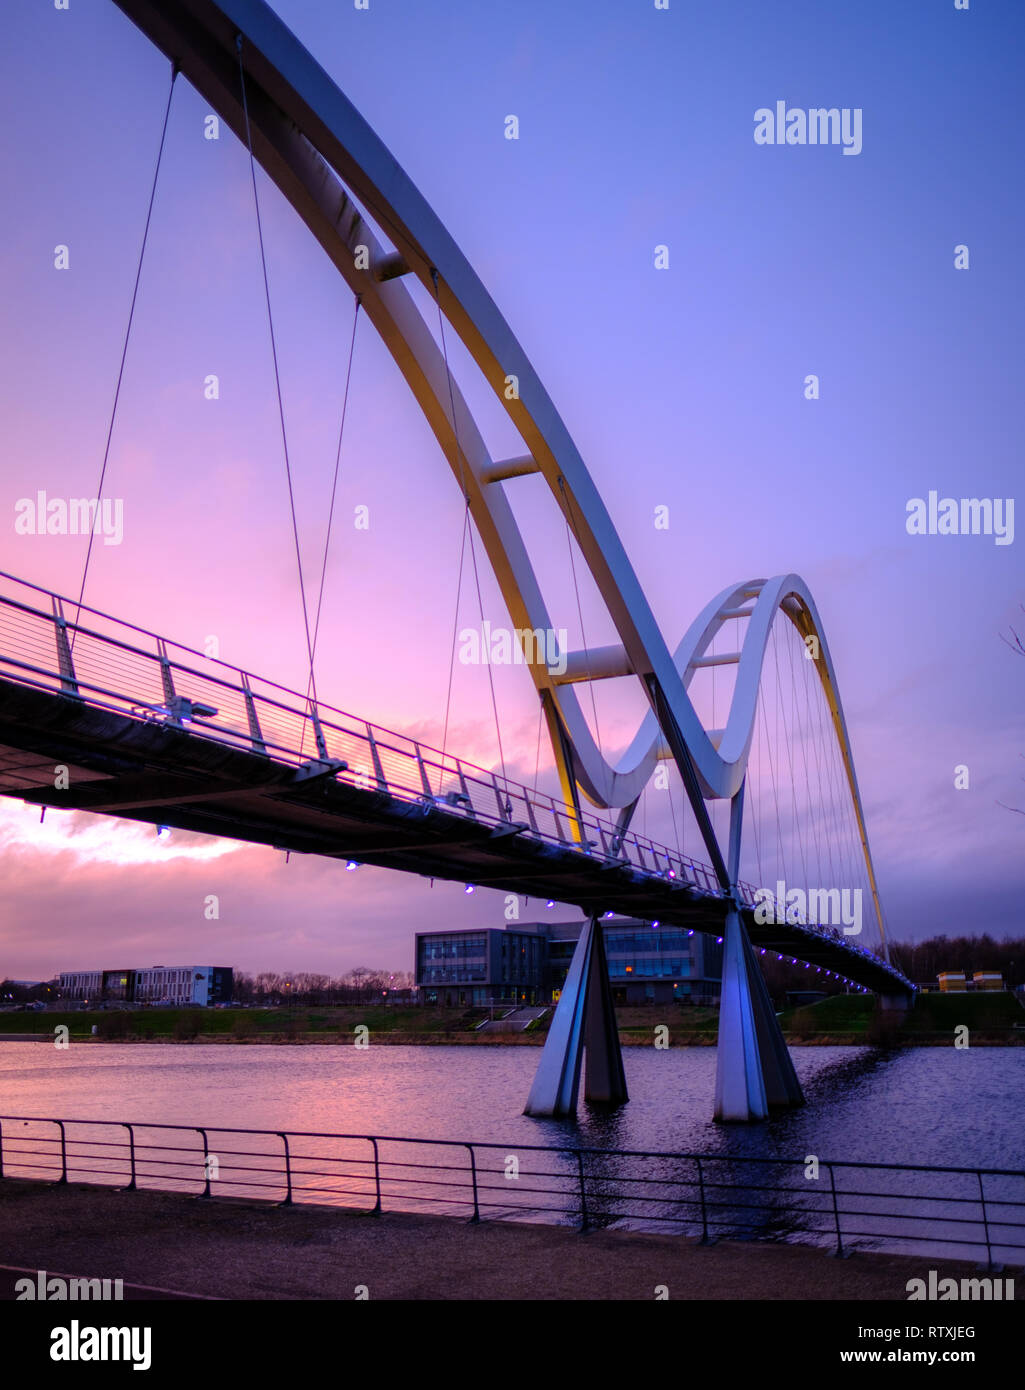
(526, 963)
(156, 984)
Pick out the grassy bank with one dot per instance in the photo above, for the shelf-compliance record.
(842, 1019)
(327, 1025)
(854, 1018)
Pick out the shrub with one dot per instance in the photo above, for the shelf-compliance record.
(186, 1026)
(802, 1023)
(114, 1025)
(884, 1028)
(295, 1027)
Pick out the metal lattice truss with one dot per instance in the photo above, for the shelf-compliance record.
(333, 169)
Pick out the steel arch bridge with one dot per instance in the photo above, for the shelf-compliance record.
(344, 183)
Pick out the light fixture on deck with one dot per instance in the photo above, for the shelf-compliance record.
(469, 888)
(180, 707)
(163, 832)
(352, 864)
(550, 902)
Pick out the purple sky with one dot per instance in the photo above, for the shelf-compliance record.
(682, 387)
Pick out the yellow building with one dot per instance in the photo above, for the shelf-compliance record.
(953, 981)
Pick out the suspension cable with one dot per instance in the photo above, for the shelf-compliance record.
(797, 831)
(672, 812)
(331, 512)
(334, 484)
(570, 516)
(124, 349)
(757, 788)
(277, 374)
(772, 776)
(455, 628)
(806, 725)
(467, 531)
(537, 751)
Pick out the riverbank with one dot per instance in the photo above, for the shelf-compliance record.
(499, 1040)
(244, 1250)
(845, 1020)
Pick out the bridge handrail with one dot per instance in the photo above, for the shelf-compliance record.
(699, 1203)
(318, 717)
(238, 687)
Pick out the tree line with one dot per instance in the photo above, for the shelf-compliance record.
(920, 961)
(361, 985)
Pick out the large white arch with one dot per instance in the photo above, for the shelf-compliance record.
(325, 159)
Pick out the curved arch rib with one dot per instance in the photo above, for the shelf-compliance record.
(323, 156)
(316, 147)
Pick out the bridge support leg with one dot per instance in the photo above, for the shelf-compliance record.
(897, 1002)
(755, 1073)
(739, 1083)
(585, 1021)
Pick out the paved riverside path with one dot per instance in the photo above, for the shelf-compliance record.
(244, 1250)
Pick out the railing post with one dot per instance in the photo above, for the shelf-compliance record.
(839, 1252)
(64, 662)
(465, 789)
(255, 732)
(318, 732)
(288, 1172)
(583, 1191)
(504, 807)
(473, 1177)
(64, 1154)
(705, 1239)
(382, 781)
(985, 1222)
(167, 682)
(131, 1155)
(377, 1181)
(423, 773)
(206, 1165)
(1, 1148)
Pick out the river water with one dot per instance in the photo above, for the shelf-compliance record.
(921, 1106)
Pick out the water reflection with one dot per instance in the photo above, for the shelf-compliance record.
(862, 1105)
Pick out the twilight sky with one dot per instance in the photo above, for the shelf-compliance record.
(683, 387)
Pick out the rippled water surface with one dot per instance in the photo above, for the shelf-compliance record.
(919, 1105)
(924, 1106)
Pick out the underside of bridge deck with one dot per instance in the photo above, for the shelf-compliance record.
(158, 774)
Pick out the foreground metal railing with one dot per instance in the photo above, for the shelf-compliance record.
(110, 664)
(961, 1212)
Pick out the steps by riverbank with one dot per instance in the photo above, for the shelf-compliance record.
(243, 1250)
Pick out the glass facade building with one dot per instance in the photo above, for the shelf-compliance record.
(480, 967)
(526, 963)
(158, 984)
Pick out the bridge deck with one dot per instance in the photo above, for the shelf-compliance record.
(239, 758)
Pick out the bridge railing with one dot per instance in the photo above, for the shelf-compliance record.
(957, 1212)
(100, 661)
(111, 664)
